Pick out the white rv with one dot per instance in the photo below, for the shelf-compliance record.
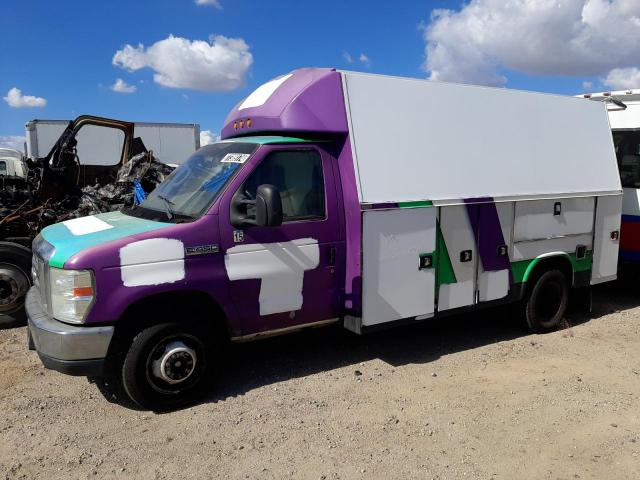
(624, 116)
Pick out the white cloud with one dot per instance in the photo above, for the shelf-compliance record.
(362, 58)
(123, 87)
(210, 3)
(13, 141)
(207, 137)
(623, 78)
(221, 65)
(536, 37)
(587, 85)
(366, 61)
(15, 99)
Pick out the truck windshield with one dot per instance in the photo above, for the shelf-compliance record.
(192, 187)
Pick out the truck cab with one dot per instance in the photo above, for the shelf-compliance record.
(12, 164)
(246, 237)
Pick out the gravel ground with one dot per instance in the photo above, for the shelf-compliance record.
(473, 396)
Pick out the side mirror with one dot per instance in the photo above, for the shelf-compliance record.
(268, 206)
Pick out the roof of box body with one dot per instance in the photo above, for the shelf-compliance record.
(415, 140)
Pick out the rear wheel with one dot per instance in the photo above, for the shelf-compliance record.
(168, 366)
(15, 268)
(547, 302)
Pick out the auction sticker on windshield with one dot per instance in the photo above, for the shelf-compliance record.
(235, 158)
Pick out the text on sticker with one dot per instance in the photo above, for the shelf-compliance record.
(235, 158)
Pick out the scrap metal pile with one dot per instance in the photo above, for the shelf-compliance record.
(26, 207)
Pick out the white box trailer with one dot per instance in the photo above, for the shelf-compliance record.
(507, 178)
(172, 143)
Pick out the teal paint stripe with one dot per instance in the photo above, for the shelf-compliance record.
(418, 204)
(267, 139)
(67, 244)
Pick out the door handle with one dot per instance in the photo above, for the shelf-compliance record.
(466, 256)
(332, 256)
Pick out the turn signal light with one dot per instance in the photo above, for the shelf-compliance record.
(82, 292)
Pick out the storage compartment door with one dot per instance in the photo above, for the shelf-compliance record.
(399, 249)
(495, 221)
(457, 257)
(606, 239)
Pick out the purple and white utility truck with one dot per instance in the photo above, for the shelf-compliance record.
(333, 197)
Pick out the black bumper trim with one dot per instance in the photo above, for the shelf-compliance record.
(79, 368)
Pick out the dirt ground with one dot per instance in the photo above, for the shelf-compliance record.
(474, 396)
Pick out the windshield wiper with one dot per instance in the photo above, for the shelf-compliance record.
(168, 204)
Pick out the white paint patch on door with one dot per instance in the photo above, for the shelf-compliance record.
(152, 262)
(86, 225)
(280, 268)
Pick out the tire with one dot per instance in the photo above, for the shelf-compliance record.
(15, 280)
(547, 302)
(168, 366)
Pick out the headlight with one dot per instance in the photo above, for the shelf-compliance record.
(71, 294)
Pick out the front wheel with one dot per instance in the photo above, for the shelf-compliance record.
(547, 302)
(168, 366)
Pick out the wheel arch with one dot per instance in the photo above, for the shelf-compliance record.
(153, 309)
(545, 262)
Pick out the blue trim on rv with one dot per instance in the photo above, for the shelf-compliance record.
(629, 255)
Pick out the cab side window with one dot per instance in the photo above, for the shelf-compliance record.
(297, 174)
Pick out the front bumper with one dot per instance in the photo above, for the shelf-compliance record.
(70, 349)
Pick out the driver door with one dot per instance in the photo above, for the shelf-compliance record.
(289, 275)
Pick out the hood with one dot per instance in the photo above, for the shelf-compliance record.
(73, 236)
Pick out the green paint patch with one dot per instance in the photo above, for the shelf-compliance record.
(519, 270)
(445, 274)
(522, 268)
(418, 204)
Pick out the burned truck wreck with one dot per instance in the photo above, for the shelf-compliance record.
(68, 182)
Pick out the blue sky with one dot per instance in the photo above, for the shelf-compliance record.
(63, 51)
